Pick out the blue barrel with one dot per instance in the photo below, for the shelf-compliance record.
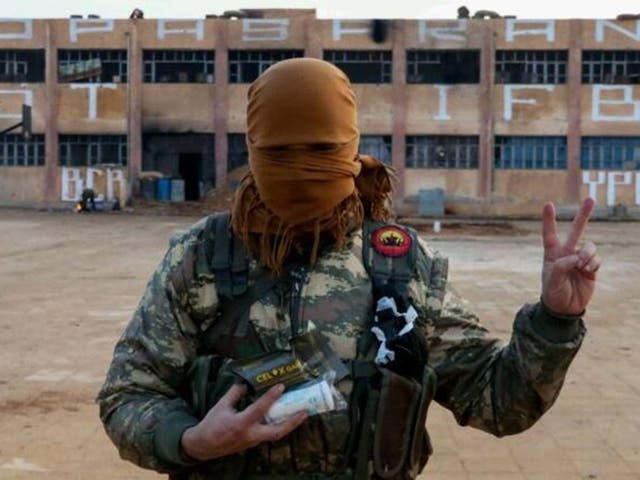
(177, 190)
(163, 189)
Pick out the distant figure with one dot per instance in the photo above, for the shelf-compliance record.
(484, 14)
(463, 12)
(88, 201)
(136, 14)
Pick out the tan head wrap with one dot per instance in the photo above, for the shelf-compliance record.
(306, 177)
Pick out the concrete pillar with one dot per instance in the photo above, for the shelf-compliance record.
(134, 108)
(486, 140)
(221, 112)
(574, 84)
(399, 127)
(312, 37)
(52, 187)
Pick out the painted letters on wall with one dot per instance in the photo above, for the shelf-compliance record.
(604, 97)
(614, 182)
(602, 25)
(510, 100)
(265, 29)
(25, 34)
(93, 95)
(78, 26)
(358, 27)
(107, 183)
(546, 28)
(456, 32)
(165, 29)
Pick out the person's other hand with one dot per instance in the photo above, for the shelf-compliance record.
(225, 431)
(568, 271)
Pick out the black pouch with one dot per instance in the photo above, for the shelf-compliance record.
(421, 449)
(395, 418)
(401, 445)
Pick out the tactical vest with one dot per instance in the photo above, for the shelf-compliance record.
(387, 438)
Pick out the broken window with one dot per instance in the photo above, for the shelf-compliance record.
(90, 150)
(15, 150)
(535, 153)
(378, 146)
(238, 154)
(92, 66)
(178, 66)
(442, 151)
(531, 66)
(443, 66)
(362, 66)
(610, 153)
(611, 66)
(247, 65)
(22, 66)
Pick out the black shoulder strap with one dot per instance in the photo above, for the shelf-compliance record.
(386, 270)
(230, 262)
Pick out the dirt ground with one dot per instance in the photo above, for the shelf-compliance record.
(68, 284)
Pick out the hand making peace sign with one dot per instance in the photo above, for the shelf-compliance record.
(568, 271)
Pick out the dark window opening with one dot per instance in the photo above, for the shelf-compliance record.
(92, 66)
(238, 154)
(611, 66)
(531, 66)
(443, 66)
(442, 151)
(178, 66)
(16, 151)
(362, 66)
(90, 150)
(247, 65)
(22, 66)
(378, 146)
(610, 153)
(531, 153)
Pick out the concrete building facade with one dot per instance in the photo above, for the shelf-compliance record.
(501, 114)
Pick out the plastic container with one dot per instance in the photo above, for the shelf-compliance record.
(163, 189)
(177, 190)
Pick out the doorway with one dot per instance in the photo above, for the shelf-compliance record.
(189, 168)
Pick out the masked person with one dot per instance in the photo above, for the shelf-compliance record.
(308, 248)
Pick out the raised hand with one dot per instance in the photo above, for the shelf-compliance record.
(225, 431)
(568, 272)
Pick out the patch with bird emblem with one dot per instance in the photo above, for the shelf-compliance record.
(391, 241)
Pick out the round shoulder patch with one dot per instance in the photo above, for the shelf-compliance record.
(391, 241)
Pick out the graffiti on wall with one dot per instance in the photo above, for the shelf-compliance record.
(108, 183)
(613, 182)
(92, 89)
(277, 29)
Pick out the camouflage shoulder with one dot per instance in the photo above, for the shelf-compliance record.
(427, 249)
(193, 232)
(429, 285)
(188, 260)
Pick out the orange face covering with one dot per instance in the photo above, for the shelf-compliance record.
(306, 178)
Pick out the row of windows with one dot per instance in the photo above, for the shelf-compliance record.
(510, 152)
(90, 150)
(362, 66)
(16, 151)
(422, 151)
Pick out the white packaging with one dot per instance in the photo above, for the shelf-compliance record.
(313, 399)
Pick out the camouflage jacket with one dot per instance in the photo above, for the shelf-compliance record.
(494, 385)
